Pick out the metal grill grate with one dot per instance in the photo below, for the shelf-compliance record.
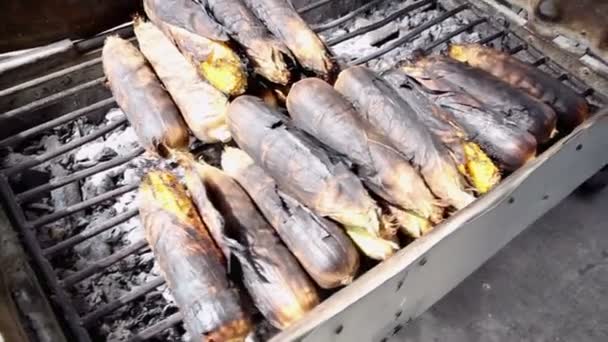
(31, 105)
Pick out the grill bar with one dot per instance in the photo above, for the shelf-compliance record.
(363, 30)
(157, 328)
(336, 22)
(7, 95)
(400, 41)
(453, 34)
(101, 105)
(23, 110)
(61, 181)
(104, 263)
(312, 6)
(92, 317)
(59, 214)
(37, 160)
(80, 237)
(486, 40)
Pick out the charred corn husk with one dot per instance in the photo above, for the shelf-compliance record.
(285, 23)
(470, 159)
(409, 223)
(205, 48)
(190, 261)
(509, 145)
(522, 109)
(278, 286)
(202, 106)
(304, 171)
(380, 105)
(322, 248)
(149, 108)
(571, 108)
(318, 109)
(267, 55)
(187, 14)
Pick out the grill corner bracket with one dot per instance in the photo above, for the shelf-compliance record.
(21, 296)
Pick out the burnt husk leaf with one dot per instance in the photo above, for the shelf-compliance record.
(380, 105)
(278, 286)
(190, 261)
(322, 248)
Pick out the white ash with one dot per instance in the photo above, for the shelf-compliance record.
(124, 276)
(366, 44)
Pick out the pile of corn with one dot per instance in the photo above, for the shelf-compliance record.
(364, 165)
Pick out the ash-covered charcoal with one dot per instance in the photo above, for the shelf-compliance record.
(375, 40)
(124, 276)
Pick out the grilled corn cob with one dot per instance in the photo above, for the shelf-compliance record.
(322, 112)
(185, 22)
(202, 106)
(305, 171)
(190, 261)
(522, 109)
(284, 22)
(277, 284)
(470, 159)
(409, 223)
(571, 108)
(380, 105)
(138, 92)
(510, 146)
(268, 56)
(322, 248)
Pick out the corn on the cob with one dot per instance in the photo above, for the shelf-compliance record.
(522, 109)
(202, 106)
(279, 287)
(409, 223)
(322, 248)
(284, 22)
(509, 145)
(185, 22)
(267, 55)
(470, 159)
(149, 108)
(318, 109)
(305, 171)
(380, 105)
(190, 261)
(571, 108)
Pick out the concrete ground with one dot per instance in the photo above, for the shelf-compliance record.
(549, 284)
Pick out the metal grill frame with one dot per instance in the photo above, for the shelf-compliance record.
(418, 275)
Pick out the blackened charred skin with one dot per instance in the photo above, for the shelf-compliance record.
(318, 109)
(188, 15)
(268, 56)
(571, 108)
(285, 23)
(301, 167)
(138, 92)
(379, 104)
(322, 248)
(190, 262)
(440, 73)
(279, 287)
